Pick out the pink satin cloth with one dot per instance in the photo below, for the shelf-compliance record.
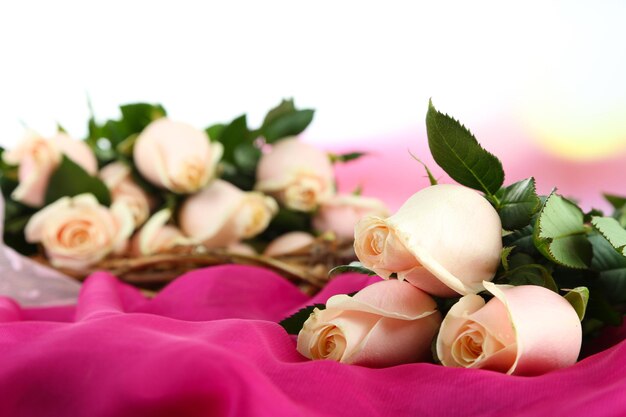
(209, 345)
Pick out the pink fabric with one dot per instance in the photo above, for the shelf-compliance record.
(209, 345)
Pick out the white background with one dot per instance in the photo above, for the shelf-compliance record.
(552, 72)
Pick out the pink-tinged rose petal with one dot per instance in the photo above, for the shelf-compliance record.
(78, 232)
(117, 177)
(524, 330)
(221, 214)
(38, 157)
(297, 174)
(240, 248)
(156, 236)
(548, 330)
(385, 324)
(176, 156)
(342, 212)
(289, 243)
(447, 237)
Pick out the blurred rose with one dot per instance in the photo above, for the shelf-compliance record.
(222, 214)
(385, 324)
(445, 239)
(299, 175)
(176, 156)
(240, 248)
(525, 330)
(341, 213)
(38, 157)
(156, 236)
(289, 243)
(118, 179)
(78, 232)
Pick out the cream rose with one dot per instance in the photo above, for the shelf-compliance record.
(299, 175)
(38, 157)
(445, 239)
(117, 177)
(525, 330)
(341, 213)
(222, 214)
(176, 156)
(289, 243)
(385, 324)
(156, 236)
(77, 232)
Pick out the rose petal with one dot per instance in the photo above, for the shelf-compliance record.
(547, 328)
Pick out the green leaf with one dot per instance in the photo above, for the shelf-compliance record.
(521, 239)
(529, 274)
(612, 231)
(286, 106)
(346, 157)
(578, 298)
(610, 267)
(234, 134)
(560, 233)
(504, 256)
(356, 267)
(286, 125)
(599, 308)
(70, 179)
(457, 151)
(215, 131)
(137, 116)
(618, 202)
(294, 323)
(517, 204)
(247, 157)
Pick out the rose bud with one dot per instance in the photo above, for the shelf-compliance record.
(445, 239)
(117, 177)
(156, 236)
(38, 157)
(525, 330)
(299, 175)
(77, 232)
(385, 324)
(342, 212)
(289, 243)
(222, 214)
(176, 156)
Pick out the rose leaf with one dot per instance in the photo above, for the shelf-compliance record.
(517, 203)
(70, 179)
(293, 324)
(612, 231)
(560, 233)
(578, 298)
(355, 267)
(457, 151)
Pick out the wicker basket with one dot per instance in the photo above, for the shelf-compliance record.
(308, 267)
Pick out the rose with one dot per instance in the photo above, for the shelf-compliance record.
(387, 323)
(299, 175)
(342, 212)
(289, 244)
(117, 177)
(77, 232)
(525, 330)
(222, 214)
(157, 237)
(38, 157)
(445, 239)
(176, 156)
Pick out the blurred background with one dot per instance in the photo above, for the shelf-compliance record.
(541, 84)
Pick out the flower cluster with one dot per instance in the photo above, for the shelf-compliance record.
(444, 241)
(146, 184)
(490, 276)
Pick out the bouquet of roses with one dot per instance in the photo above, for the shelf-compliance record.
(145, 185)
(499, 280)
